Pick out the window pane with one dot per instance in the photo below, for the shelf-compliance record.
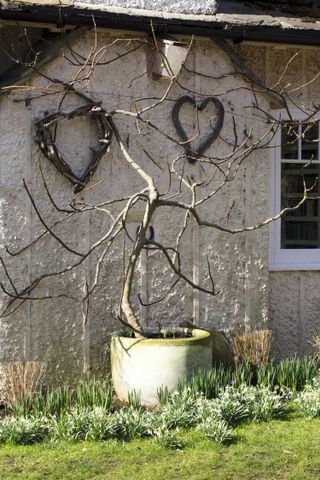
(289, 140)
(310, 141)
(301, 227)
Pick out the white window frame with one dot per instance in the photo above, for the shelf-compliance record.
(285, 259)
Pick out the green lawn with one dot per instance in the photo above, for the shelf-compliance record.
(283, 449)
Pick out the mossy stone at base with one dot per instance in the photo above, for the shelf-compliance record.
(145, 365)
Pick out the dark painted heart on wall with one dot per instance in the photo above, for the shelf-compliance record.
(46, 140)
(192, 153)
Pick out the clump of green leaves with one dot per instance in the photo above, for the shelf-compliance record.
(291, 374)
(216, 429)
(55, 402)
(73, 426)
(164, 395)
(308, 401)
(94, 424)
(207, 381)
(134, 399)
(86, 413)
(94, 393)
(131, 423)
(243, 374)
(235, 404)
(294, 373)
(264, 403)
(267, 374)
(230, 406)
(23, 431)
(168, 439)
(186, 408)
(89, 394)
(126, 332)
(101, 425)
(181, 409)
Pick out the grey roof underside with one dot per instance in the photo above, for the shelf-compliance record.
(237, 20)
(233, 20)
(303, 8)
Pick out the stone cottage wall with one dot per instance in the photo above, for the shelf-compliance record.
(294, 302)
(294, 305)
(56, 330)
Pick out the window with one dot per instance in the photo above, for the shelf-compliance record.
(295, 238)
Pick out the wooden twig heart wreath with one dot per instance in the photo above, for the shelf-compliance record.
(46, 140)
(192, 153)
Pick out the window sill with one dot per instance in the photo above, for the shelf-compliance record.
(275, 267)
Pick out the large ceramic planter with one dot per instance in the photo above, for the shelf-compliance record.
(144, 365)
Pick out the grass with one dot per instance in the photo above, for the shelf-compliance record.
(280, 449)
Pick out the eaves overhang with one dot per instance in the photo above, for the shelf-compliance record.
(236, 27)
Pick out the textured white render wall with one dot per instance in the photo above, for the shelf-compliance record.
(54, 330)
(294, 311)
(294, 302)
(177, 6)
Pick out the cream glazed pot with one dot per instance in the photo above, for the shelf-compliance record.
(145, 365)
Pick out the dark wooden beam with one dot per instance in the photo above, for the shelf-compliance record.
(262, 28)
(240, 65)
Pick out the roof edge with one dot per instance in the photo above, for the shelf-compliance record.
(235, 27)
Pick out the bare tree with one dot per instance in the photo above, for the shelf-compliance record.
(194, 177)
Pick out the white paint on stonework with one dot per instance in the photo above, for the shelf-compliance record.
(175, 6)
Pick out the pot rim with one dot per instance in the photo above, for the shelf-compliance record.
(198, 335)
